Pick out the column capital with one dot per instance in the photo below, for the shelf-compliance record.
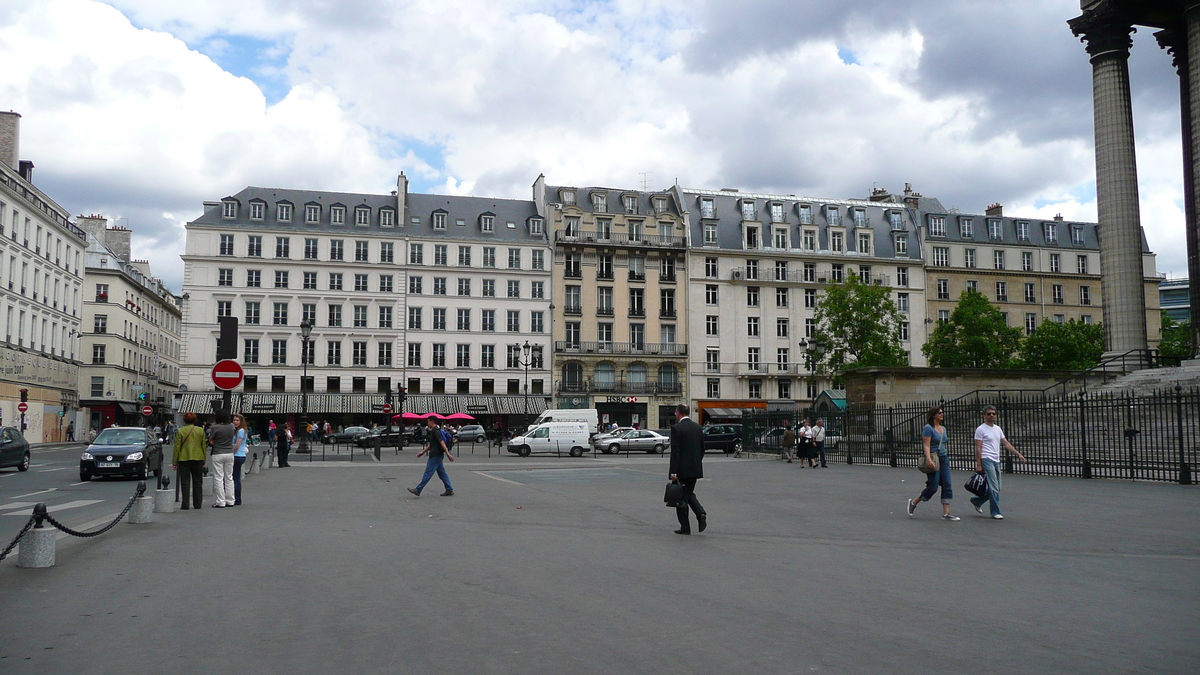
(1106, 31)
(1174, 40)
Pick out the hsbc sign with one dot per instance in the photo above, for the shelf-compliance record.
(621, 399)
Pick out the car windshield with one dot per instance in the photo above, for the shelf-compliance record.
(356, 430)
(121, 437)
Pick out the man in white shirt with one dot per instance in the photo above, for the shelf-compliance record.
(989, 438)
(818, 433)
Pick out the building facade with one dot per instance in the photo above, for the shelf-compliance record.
(41, 281)
(756, 271)
(620, 329)
(429, 293)
(131, 333)
(1173, 295)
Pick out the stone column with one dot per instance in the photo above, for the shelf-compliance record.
(1107, 34)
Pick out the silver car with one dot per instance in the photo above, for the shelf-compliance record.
(638, 439)
(600, 442)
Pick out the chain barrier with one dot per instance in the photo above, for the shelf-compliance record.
(141, 488)
(8, 549)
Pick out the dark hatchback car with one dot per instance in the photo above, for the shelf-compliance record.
(122, 451)
(14, 449)
(388, 438)
(724, 437)
(346, 435)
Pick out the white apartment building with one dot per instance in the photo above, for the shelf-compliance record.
(434, 294)
(131, 333)
(41, 278)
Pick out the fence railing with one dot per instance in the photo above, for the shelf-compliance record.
(1137, 436)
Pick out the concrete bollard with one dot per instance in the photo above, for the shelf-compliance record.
(164, 501)
(37, 548)
(142, 510)
(254, 467)
(208, 484)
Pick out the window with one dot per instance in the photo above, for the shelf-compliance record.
(335, 281)
(810, 328)
(711, 325)
(969, 258)
(943, 316)
(900, 242)
(1085, 295)
(864, 243)
(994, 230)
(387, 218)
(310, 249)
(1081, 264)
(537, 322)
(781, 237)
(1030, 294)
(279, 352)
(860, 217)
(253, 278)
(835, 242)
(748, 211)
(360, 316)
(600, 202)
(904, 331)
(902, 277)
(1077, 234)
(1060, 318)
(864, 274)
(362, 216)
(386, 252)
(464, 256)
(336, 249)
(751, 326)
(1030, 322)
(440, 254)
(514, 258)
(714, 388)
(572, 265)
(335, 315)
(384, 354)
(489, 288)
(98, 354)
(253, 246)
(1001, 291)
(1026, 261)
(781, 297)
(1055, 262)
(487, 356)
(416, 254)
(514, 288)
(937, 226)
(224, 278)
(337, 215)
(998, 259)
(777, 213)
(751, 269)
(782, 355)
(361, 251)
(283, 247)
(439, 285)
(281, 279)
(832, 215)
(414, 318)
(1051, 231)
(707, 208)
(489, 256)
(943, 289)
(710, 268)
(358, 353)
(785, 389)
(710, 294)
(666, 303)
(537, 289)
(464, 319)
(941, 256)
(229, 210)
(1085, 319)
(385, 283)
(637, 305)
(751, 296)
(226, 244)
(514, 321)
(752, 237)
(253, 313)
(573, 332)
(308, 313)
(712, 360)
(1056, 294)
(385, 317)
(753, 359)
(283, 213)
(782, 326)
(810, 298)
(902, 302)
(312, 213)
(464, 287)
(710, 234)
(537, 259)
(1022, 231)
(308, 356)
(280, 317)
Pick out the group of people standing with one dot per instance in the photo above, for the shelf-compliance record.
(225, 443)
(807, 441)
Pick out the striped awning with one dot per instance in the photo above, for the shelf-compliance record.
(364, 404)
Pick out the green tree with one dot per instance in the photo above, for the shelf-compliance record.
(859, 326)
(1073, 345)
(1176, 338)
(976, 336)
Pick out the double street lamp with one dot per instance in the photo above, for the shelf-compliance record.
(305, 332)
(526, 350)
(814, 350)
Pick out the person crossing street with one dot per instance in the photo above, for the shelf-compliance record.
(438, 448)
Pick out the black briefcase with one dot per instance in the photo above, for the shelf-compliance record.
(674, 495)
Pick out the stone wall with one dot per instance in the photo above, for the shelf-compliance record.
(890, 386)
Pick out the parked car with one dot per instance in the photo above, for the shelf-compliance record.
(14, 449)
(638, 439)
(388, 438)
(346, 435)
(600, 440)
(122, 451)
(471, 433)
(724, 437)
(772, 439)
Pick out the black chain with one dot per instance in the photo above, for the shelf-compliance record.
(13, 545)
(140, 489)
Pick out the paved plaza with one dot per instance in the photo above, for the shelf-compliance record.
(546, 565)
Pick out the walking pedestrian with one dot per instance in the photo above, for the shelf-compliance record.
(283, 443)
(933, 440)
(687, 457)
(239, 457)
(810, 444)
(789, 442)
(221, 436)
(818, 436)
(71, 431)
(271, 435)
(438, 447)
(188, 462)
(989, 438)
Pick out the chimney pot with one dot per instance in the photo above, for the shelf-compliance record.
(995, 210)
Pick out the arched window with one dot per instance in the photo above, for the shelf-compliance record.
(572, 376)
(635, 378)
(668, 375)
(606, 377)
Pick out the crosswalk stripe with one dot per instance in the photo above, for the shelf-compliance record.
(58, 507)
(39, 492)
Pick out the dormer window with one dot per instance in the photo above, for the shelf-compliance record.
(937, 226)
(660, 204)
(387, 218)
(283, 212)
(439, 220)
(568, 196)
(487, 223)
(752, 237)
(805, 214)
(748, 210)
(1051, 233)
(535, 226)
(832, 216)
(994, 230)
(599, 202)
(362, 216)
(966, 228)
(312, 213)
(337, 215)
(860, 217)
(776, 212)
(707, 208)
(896, 220)
(229, 209)
(257, 210)
(1077, 234)
(1022, 231)
(631, 204)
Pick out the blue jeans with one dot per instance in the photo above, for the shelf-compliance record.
(991, 469)
(942, 478)
(237, 478)
(435, 465)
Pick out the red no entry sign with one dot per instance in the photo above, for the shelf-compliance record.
(147, 410)
(22, 406)
(387, 408)
(227, 374)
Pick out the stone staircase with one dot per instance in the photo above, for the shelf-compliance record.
(1186, 375)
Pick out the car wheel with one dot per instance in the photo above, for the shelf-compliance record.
(525, 451)
(24, 465)
(657, 450)
(614, 449)
(84, 476)
(577, 451)
(143, 472)
(480, 439)
(737, 447)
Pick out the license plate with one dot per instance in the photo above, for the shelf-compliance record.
(108, 465)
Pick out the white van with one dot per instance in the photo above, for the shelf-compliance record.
(555, 437)
(589, 416)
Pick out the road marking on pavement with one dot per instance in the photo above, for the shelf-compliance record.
(82, 483)
(61, 468)
(39, 492)
(502, 480)
(59, 507)
(18, 505)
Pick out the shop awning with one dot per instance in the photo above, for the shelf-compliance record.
(363, 404)
(128, 408)
(729, 413)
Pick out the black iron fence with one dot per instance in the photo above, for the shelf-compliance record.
(1139, 436)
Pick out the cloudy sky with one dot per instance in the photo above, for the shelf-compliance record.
(143, 109)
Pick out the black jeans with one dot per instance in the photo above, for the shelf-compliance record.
(282, 449)
(191, 477)
(689, 499)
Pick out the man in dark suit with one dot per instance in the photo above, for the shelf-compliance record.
(687, 455)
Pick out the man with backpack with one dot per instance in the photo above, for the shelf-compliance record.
(440, 442)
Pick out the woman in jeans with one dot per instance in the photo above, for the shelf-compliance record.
(933, 438)
(239, 457)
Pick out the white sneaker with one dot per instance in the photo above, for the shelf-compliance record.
(911, 507)
(998, 517)
(978, 508)
(947, 516)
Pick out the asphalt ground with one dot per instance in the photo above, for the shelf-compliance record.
(545, 565)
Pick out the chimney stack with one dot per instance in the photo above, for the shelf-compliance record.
(1058, 217)
(10, 139)
(401, 198)
(995, 210)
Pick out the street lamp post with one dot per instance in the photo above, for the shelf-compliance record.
(525, 350)
(305, 331)
(813, 351)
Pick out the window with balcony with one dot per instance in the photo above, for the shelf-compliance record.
(253, 313)
(253, 278)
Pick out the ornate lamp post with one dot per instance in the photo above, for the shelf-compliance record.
(813, 351)
(305, 332)
(525, 350)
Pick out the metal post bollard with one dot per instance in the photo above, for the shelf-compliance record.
(142, 511)
(37, 546)
(164, 499)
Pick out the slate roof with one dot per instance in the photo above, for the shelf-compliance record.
(615, 199)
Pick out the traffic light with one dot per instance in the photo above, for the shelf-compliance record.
(142, 396)
(401, 393)
(24, 395)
